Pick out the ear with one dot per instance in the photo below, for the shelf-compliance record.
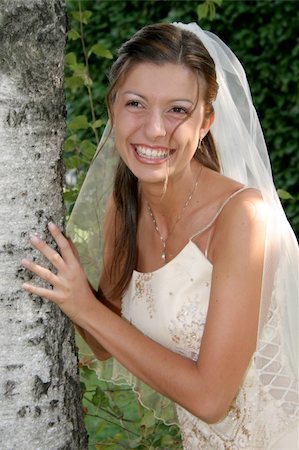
(206, 125)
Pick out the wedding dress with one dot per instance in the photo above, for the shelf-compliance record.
(170, 306)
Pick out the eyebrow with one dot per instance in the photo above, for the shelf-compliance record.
(144, 98)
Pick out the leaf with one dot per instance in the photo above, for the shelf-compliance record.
(73, 82)
(72, 162)
(70, 58)
(167, 440)
(82, 16)
(218, 2)
(70, 195)
(88, 148)
(148, 419)
(82, 387)
(97, 124)
(73, 34)
(284, 195)
(99, 398)
(79, 123)
(80, 76)
(100, 50)
(79, 69)
(202, 11)
(117, 410)
(70, 143)
(212, 11)
(86, 372)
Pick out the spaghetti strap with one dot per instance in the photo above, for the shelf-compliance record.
(206, 227)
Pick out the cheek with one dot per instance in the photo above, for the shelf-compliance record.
(187, 136)
(124, 124)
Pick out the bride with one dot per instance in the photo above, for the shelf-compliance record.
(197, 296)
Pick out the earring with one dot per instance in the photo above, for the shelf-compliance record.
(199, 144)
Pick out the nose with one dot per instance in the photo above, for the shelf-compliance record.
(155, 125)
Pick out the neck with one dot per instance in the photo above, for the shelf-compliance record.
(167, 204)
(167, 210)
(164, 225)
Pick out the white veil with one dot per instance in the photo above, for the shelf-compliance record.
(243, 157)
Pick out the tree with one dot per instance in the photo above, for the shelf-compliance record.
(39, 388)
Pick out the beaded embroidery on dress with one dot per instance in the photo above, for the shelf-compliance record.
(170, 306)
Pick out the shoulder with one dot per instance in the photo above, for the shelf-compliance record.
(243, 207)
(241, 223)
(232, 203)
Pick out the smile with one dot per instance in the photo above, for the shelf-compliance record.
(152, 153)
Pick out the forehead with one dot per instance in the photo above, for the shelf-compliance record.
(167, 79)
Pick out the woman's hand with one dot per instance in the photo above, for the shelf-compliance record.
(71, 290)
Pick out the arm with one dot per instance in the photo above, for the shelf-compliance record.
(207, 387)
(99, 351)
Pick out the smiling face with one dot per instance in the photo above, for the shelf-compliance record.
(155, 132)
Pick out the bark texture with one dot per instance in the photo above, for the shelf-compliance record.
(39, 386)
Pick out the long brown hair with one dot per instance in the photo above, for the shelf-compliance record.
(158, 44)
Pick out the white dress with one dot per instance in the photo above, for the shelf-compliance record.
(170, 305)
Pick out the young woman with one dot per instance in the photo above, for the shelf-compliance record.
(197, 292)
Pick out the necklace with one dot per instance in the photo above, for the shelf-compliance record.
(164, 240)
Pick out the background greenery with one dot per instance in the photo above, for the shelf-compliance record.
(263, 34)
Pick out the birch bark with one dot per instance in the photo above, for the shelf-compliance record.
(39, 387)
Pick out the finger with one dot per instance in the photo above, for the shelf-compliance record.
(53, 256)
(62, 242)
(40, 271)
(40, 292)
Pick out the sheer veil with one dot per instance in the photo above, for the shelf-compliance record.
(243, 157)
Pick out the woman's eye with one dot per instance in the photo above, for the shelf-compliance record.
(134, 104)
(179, 110)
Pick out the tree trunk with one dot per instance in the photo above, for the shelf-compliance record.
(39, 386)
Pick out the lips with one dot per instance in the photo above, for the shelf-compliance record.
(152, 153)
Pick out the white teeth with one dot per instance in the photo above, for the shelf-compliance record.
(151, 153)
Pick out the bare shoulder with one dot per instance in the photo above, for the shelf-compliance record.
(242, 222)
(245, 206)
(232, 198)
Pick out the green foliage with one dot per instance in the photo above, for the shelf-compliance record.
(263, 34)
(116, 421)
(83, 120)
(207, 9)
(284, 195)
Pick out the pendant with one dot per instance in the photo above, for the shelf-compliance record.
(163, 256)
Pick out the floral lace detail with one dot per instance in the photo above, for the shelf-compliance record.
(187, 329)
(143, 291)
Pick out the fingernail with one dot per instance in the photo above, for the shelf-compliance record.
(25, 262)
(34, 239)
(25, 286)
(51, 225)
